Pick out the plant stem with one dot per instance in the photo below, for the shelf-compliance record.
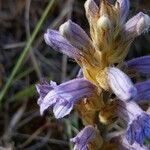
(25, 50)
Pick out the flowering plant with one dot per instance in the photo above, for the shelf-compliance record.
(90, 94)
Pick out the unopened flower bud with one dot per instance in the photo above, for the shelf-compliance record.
(121, 84)
(76, 36)
(91, 8)
(143, 24)
(137, 24)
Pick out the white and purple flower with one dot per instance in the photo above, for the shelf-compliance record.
(141, 65)
(138, 122)
(83, 138)
(63, 97)
(121, 84)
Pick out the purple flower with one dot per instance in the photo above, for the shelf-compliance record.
(143, 91)
(44, 88)
(91, 9)
(59, 43)
(140, 65)
(124, 9)
(124, 145)
(121, 84)
(83, 138)
(138, 24)
(76, 36)
(92, 14)
(138, 122)
(62, 97)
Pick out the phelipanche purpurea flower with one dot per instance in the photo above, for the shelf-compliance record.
(103, 93)
(83, 137)
(138, 127)
(63, 97)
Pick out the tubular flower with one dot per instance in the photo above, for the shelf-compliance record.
(140, 65)
(138, 122)
(63, 96)
(91, 93)
(83, 138)
(138, 24)
(44, 88)
(143, 90)
(122, 144)
(58, 42)
(121, 84)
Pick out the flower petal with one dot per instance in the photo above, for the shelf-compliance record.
(76, 36)
(43, 88)
(138, 122)
(140, 65)
(121, 84)
(137, 127)
(92, 14)
(124, 145)
(59, 43)
(138, 24)
(84, 137)
(75, 89)
(143, 91)
(65, 95)
(124, 9)
(91, 9)
(62, 109)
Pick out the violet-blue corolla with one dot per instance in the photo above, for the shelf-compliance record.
(140, 65)
(138, 128)
(121, 84)
(85, 136)
(108, 44)
(63, 97)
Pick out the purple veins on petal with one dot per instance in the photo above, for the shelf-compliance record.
(43, 88)
(58, 42)
(139, 129)
(91, 8)
(76, 35)
(138, 122)
(83, 138)
(124, 145)
(143, 91)
(124, 9)
(62, 109)
(62, 97)
(140, 65)
(121, 84)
